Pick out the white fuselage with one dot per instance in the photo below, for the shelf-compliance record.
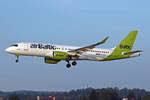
(43, 50)
(53, 54)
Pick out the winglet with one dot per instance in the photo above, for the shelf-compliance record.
(103, 41)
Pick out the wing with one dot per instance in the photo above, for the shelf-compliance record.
(80, 51)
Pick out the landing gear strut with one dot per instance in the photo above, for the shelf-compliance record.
(68, 65)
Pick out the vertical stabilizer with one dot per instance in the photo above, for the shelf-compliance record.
(124, 46)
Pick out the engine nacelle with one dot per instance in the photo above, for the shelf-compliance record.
(51, 61)
(58, 55)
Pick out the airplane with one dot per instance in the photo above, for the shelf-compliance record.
(53, 54)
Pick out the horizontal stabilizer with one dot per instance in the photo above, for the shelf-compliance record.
(132, 52)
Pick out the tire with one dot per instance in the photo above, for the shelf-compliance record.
(68, 65)
(17, 61)
(74, 63)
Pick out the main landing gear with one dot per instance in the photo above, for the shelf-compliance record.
(74, 63)
(69, 65)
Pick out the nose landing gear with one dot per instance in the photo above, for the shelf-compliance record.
(17, 60)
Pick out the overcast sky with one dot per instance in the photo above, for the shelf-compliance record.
(78, 23)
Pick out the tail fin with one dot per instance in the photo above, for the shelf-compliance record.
(126, 45)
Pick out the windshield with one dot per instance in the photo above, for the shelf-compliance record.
(16, 45)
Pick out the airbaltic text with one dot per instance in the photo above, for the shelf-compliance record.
(41, 46)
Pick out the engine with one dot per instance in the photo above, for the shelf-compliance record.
(55, 57)
(51, 61)
(58, 55)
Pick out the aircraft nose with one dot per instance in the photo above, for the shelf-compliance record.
(7, 50)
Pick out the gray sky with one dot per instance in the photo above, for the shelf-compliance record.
(78, 23)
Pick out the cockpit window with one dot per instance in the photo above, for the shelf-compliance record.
(16, 45)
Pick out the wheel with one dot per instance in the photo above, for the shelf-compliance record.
(17, 61)
(74, 63)
(68, 65)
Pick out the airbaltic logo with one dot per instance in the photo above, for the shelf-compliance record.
(41, 46)
(125, 46)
